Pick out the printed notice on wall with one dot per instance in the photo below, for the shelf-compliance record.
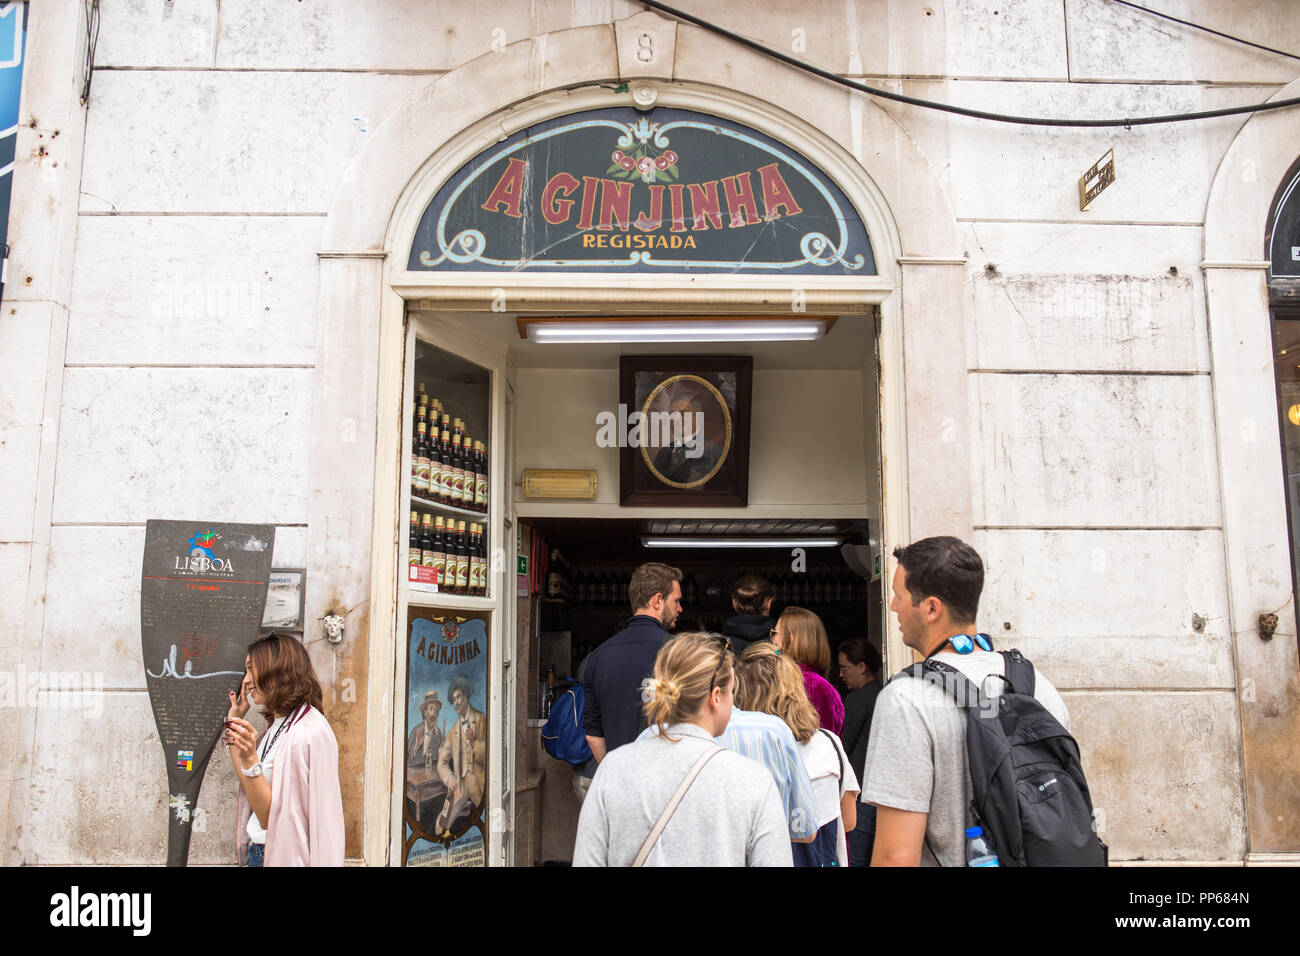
(202, 596)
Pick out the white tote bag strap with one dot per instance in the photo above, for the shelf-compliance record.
(669, 810)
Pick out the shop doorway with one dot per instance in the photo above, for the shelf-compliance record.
(814, 474)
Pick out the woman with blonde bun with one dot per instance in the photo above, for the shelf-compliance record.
(675, 798)
(771, 683)
(801, 636)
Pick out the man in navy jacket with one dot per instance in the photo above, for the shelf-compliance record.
(613, 672)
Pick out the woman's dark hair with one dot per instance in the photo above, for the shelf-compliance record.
(750, 594)
(285, 678)
(945, 568)
(859, 650)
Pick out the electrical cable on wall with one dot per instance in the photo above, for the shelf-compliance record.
(1197, 26)
(1126, 122)
(92, 40)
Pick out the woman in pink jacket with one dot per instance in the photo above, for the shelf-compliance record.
(290, 805)
(801, 636)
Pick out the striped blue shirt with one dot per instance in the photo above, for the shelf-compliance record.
(769, 741)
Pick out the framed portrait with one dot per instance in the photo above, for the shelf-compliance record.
(685, 423)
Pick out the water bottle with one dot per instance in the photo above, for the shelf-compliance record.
(979, 851)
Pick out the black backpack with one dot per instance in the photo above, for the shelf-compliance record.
(1030, 795)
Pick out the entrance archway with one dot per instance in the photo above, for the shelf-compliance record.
(364, 291)
(1254, 508)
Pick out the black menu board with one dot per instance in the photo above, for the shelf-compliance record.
(202, 594)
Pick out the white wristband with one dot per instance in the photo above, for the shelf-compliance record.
(254, 771)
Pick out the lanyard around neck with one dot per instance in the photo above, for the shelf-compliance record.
(288, 719)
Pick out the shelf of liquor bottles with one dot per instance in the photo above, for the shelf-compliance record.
(449, 494)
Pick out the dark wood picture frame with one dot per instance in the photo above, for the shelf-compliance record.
(726, 376)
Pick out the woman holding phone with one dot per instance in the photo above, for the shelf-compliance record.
(290, 805)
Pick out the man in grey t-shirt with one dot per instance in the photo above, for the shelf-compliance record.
(916, 769)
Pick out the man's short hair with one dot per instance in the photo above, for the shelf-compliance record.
(651, 579)
(751, 593)
(946, 568)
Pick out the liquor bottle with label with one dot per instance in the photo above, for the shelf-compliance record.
(462, 560)
(458, 428)
(421, 453)
(413, 553)
(435, 468)
(477, 579)
(440, 551)
(426, 542)
(444, 492)
(471, 475)
(457, 472)
(451, 548)
(481, 478)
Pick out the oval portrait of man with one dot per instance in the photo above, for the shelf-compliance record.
(689, 430)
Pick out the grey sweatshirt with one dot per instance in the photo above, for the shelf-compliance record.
(731, 816)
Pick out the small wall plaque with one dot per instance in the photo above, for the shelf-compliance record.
(559, 483)
(1096, 179)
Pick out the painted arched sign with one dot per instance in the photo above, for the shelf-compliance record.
(1284, 233)
(617, 190)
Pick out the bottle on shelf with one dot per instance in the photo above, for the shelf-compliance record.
(426, 542)
(550, 690)
(421, 457)
(457, 472)
(440, 492)
(440, 551)
(434, 492)
(476, 577)
(414, 549)
(480, 478)
(483, 556)
(462, 560)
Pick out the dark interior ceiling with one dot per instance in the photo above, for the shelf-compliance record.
(583, 540)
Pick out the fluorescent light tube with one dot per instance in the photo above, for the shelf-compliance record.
(776, 330)
(685, 542)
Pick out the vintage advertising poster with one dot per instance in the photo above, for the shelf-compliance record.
(202, 596)
(446, 738)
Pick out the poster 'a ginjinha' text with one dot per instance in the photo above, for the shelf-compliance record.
(446, 738)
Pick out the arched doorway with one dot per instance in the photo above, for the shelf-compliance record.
(1245, 190)
(366, 292)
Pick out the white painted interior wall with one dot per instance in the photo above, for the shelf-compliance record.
(807, 442)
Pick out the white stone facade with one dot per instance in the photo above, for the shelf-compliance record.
(198, 321)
